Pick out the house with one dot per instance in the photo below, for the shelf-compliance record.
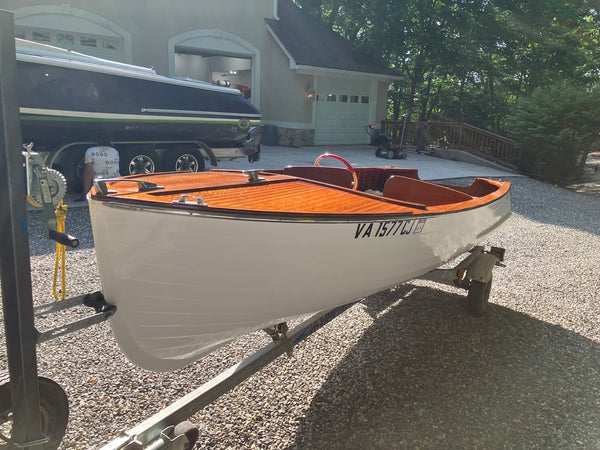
(309, 83)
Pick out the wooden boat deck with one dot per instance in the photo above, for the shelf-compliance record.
(305, 191)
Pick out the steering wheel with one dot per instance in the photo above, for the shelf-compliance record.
(346, 163)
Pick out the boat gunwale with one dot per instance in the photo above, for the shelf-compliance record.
(278, 216)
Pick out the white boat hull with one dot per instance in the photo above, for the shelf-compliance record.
(186, 283)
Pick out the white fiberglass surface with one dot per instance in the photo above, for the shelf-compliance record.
(185, 284)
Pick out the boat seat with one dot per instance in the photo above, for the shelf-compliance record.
(331, 175)
(375, 177)
(412, 190)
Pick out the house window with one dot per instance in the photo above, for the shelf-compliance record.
(64, 39)
(88, 41)
(354, 99)
(109, 45)
(102, 46)
(364, 99)
(331, 97)
(41, 36)
(343, 98)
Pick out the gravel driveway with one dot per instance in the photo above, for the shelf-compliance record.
(403, 369)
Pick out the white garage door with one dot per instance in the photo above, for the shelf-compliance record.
(343, 107)
(107, 47)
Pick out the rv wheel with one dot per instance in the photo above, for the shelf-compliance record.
(135, 162)
(183, 159)
(54, 411)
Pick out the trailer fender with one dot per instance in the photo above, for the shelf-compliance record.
(207, 153)
(481, 267)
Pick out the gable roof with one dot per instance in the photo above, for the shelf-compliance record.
(310, 44)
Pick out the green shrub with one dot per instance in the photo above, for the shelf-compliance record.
(556, 125)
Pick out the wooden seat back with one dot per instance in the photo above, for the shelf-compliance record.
(331, 175)
(407, 189)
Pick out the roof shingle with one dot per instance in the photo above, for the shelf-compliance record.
(311, 43)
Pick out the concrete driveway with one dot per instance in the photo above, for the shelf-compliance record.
(430, 167)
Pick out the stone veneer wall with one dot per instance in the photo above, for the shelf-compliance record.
(292, 137)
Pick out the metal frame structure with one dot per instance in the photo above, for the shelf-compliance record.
(15, 269)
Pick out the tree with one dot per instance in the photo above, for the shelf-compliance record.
(557, 126)
(470, 60)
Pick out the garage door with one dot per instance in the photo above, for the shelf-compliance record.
(343, 107)
(107, 47)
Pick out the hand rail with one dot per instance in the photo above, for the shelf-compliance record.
(460, 136)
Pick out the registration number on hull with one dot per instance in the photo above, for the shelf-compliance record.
(389, 228)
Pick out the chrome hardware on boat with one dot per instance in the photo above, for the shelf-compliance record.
(253, 175)
(183, 199)
(101, 187)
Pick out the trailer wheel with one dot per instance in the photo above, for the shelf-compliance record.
(140, 161)
(190, 431)
(478, 296)
(54, 410)
(183, 159)
(71, 166)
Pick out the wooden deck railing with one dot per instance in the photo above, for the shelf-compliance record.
(459, 136)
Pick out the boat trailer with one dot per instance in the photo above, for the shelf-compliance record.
(37, 406)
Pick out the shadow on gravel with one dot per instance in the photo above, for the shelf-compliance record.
(427, 375)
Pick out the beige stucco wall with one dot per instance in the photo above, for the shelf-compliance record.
(152, 23)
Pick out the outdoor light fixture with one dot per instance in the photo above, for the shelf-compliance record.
(309, 94)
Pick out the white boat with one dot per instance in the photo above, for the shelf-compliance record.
(195, 260)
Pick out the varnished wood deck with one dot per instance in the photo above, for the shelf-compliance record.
(403, 193)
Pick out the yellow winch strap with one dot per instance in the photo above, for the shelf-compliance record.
(61, 218)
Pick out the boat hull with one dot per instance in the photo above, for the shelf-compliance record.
(192, 281)
(69, 101)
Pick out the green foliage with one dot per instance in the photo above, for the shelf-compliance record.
(557, 126)
(470, 60)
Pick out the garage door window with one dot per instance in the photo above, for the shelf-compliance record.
(354, 99)
(331, 97)
(364, 99)
(102, 46)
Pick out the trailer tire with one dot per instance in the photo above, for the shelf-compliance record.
(183, 159)
(54, 410)
(478, 296)
(72, 167)
(139, 161)
(190, 431)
